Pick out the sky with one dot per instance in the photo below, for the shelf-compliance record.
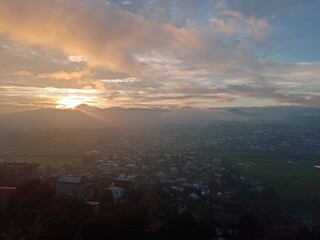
(165, 54)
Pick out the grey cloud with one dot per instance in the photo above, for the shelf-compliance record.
(261, 8)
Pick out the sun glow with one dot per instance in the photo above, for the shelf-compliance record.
(69, 102)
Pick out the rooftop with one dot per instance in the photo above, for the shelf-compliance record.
(69, 179)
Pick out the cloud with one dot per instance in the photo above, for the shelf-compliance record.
(235, 24)
(22, 73)
(259, 8)
(60, 75)
(102, 34)
(147, 53)
(37, 97)
(284, 84)
(63, 75)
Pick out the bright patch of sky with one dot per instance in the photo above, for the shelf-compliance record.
(210, 53)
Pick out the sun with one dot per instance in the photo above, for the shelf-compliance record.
(69, 102)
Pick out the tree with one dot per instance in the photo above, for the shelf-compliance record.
(32, 195)
(36, 230)
(13, 233)
(251, 226)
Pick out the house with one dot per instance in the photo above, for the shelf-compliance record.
(142, 182)
(151, 204)
(174, 170)
(167, 182)
(181, 180)
(5, 194)
(179, 205)
(107, 170)
(130, 167)
(194, 196)
(12, 174)
(226, 226)
(94, 207)
(98, 186)
(123, 183)
(117, 193)
(77, 186)
(161, 175)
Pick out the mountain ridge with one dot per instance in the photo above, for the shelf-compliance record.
(85, 116)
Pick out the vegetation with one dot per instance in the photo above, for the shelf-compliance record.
(296, 180)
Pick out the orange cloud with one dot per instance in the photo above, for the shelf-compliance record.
(63, 75)
(22, 73)
(102, 34)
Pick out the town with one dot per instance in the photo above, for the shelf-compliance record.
(164, 187)
(159, 120)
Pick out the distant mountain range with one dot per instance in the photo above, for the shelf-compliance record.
(91, 117)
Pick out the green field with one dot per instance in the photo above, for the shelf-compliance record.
(296, 179)
(56, 155)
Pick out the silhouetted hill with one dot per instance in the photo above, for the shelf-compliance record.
(91, 117)
(239, 112)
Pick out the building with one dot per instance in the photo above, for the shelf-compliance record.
(151, 204)
(94, 207)
(77, 186)
(117, 193)
(226, 226)
(5, 194)
(13, 174)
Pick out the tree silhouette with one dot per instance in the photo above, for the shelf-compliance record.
(36, 230)
(13, 233)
